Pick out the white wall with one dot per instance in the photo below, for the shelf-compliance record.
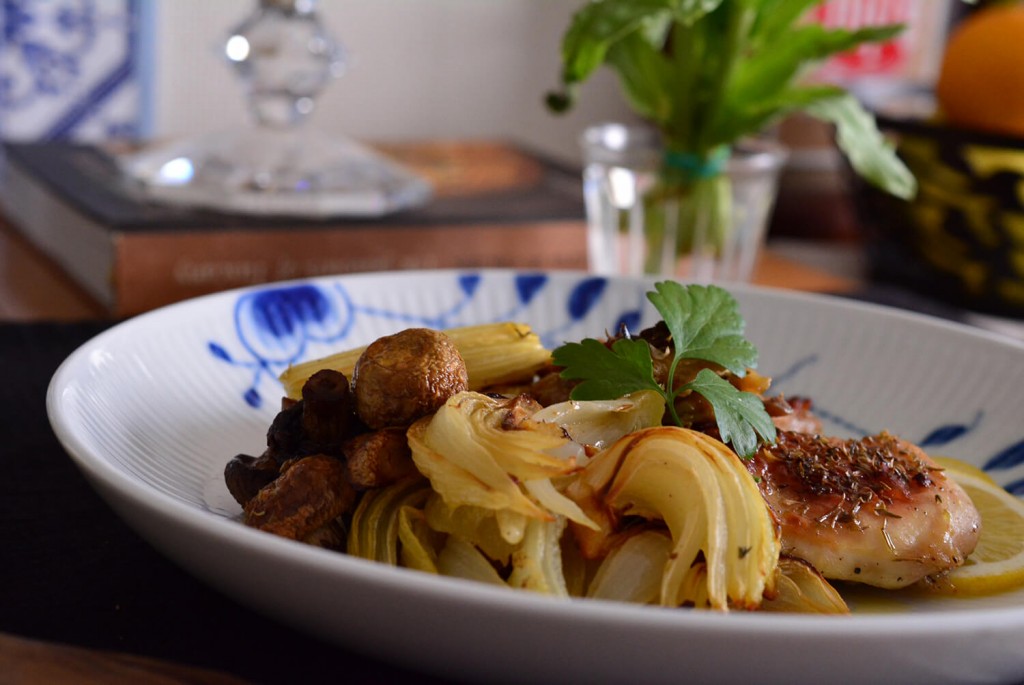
(421, 69)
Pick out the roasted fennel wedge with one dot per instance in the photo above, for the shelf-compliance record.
(494, 353)
(725, 547)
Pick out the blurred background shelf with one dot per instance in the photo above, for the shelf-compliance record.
(33, 288)
(493, 204)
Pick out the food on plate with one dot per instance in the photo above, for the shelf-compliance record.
(379, 458)
(493, 354)
(654, 467)
(724, 547)
(401, 377)
(308, 495)
(876, 510)
(997, 563)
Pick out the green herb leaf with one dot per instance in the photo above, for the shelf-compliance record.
(705, 323)
(764, 72)
(598, 26)
(607, 373)
(761, 114)
(776, 17)
(645, 74)
(870, 154)
(740, 416)
(690, 11)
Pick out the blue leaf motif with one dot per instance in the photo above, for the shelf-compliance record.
(943, 435)
(950, 432)
(252, 398)
(282, 311)
(584, 296)
(469, 283)
(276, 323)
(630, 320)
(1006, 459)
(1016, 488)
(528, 285)
(794, 369)
(220, 353)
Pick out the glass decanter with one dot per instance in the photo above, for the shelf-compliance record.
(278, 164)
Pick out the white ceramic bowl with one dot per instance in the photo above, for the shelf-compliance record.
(152, 409)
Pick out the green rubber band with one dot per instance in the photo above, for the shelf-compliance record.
(697, 167)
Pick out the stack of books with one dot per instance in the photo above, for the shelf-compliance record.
(494, 205)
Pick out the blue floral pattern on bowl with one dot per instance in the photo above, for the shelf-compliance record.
(276, 326)
(280, 325)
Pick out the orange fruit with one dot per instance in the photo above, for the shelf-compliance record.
(981, 82)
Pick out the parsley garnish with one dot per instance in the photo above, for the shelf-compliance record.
(705, 323)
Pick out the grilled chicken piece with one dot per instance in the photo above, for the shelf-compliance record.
(792, 414)
(876, 510)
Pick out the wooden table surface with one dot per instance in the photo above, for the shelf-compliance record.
(32, 288)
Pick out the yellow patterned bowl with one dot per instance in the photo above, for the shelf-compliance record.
(961, 239)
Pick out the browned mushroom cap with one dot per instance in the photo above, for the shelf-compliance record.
(379, 458)
(402, 377)
(328, 411)
(309, 493)
(245, 475)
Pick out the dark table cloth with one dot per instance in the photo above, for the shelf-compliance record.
(71, 572)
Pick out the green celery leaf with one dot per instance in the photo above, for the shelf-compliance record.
(607, 373)
(870, 154)
(741, 416)
(598, 26)
(776, 17)
(655, 29)
(763, 73)
(645, 75)
(705, 323)
(762, 83)
(690, 11)
(756, 116)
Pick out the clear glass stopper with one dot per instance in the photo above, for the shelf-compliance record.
(278, 164)
(285, 58)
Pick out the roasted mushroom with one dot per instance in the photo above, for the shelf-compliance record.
(328, 411)
(246, 475)
(285, 437)
(402, 377)
(379, 458)
(319, 423)
(309, 494)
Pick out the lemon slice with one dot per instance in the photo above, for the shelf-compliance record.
(954, 467)
(997, 563)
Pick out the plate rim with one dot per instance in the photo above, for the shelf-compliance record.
(95, 467)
